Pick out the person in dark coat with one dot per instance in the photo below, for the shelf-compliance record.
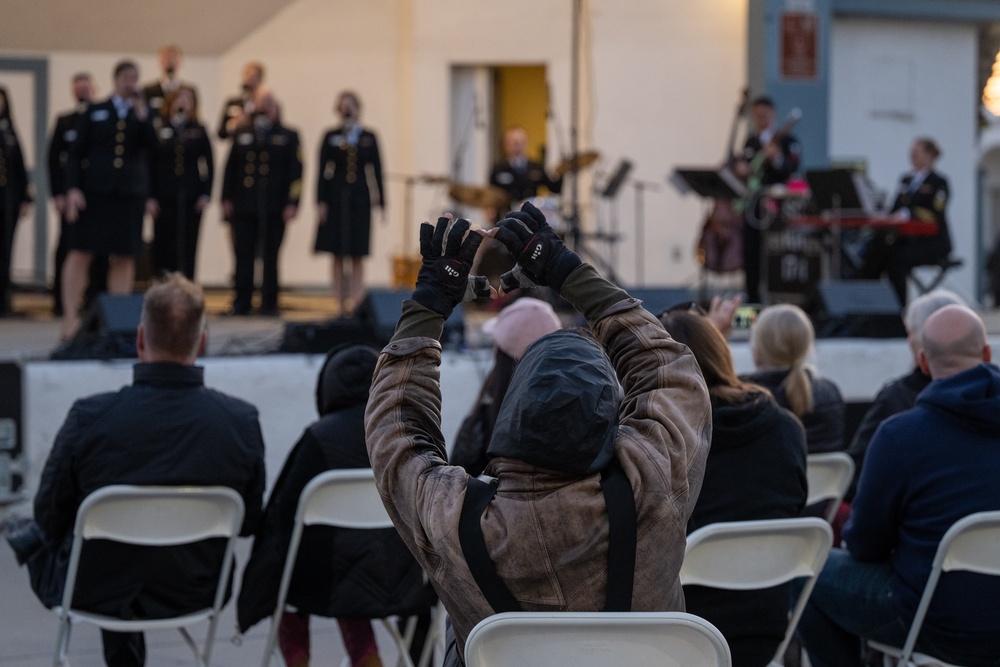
(238, 109)
(922, 196)
(517, 175)
(156, 92)
(64, 134)
(756, 470)
(780, 342)
(901, 393)
(351, 575)
(182, 175)
(349, 184)
(167, 429)
(107, 186)
(15, 195)
(260, 194)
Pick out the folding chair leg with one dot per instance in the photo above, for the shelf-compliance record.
(401, 646)
(199, 659)
(62, 643)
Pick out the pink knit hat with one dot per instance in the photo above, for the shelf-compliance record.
(520, 324)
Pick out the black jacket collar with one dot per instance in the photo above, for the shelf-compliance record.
(164, 373)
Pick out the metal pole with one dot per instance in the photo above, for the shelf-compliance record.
(574, 138)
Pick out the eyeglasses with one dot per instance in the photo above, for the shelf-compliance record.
(684, 307)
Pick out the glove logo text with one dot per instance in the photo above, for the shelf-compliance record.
(452, 271)
(537, 252)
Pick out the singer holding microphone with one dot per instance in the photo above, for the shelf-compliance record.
(107, 180)
(349, 184)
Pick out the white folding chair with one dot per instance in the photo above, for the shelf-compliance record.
(344, 499)
(972, 544)
(153, 516)
(750, 555)
(829, 476)
(596, 639)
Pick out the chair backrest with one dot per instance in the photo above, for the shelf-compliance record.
(155, 516)
(343, 498)
(592, 639)
(829, 475)
(750, 555)
(971, 544)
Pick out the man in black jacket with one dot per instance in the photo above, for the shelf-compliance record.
(168, 429)
(260, 193)
(107, 185)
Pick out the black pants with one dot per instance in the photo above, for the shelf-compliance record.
(175, 237)
(123, 649)
(895, 257)
(752, 239)
(249, 233)
(8, 221)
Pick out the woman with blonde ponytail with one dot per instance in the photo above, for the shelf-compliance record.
(780, 342)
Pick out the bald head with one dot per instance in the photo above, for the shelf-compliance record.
(953, 340)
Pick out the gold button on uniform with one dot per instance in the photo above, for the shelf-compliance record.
(121, 124)
(263, 169)
(119, 150)
(264, 155)
(120, 137)
(248, 182)
(251, 156)
(118, 163)
(248, 168)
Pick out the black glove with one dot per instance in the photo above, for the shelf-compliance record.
(541, 255)
(443, 281)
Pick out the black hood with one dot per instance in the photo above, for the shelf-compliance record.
(345, 378)
(561, 409)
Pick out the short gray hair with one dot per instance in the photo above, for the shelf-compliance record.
(926, 305)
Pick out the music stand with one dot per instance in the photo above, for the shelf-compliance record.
(709, 183)
(614, 184)
(836, 191)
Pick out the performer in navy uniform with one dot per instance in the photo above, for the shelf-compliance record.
(349, 183)
(182, 175)
(781, 160)
(238, 109)
(516, 174)
(107, 181)
(64, 135)
(15, 195)
(923, 196)
(260, 193)
(156, 92)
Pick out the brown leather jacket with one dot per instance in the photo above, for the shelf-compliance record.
(546, 532)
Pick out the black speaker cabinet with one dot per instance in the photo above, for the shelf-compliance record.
(321, 337)
(11, 431)
(107, 329)
(381, 308)
(858, 309)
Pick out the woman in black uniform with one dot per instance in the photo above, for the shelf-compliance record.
(14, 196)
(349, 184)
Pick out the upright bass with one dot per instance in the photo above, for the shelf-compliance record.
(720, 245)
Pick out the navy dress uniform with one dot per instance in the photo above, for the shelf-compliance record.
(109, 162)
(64, 135)
(234, 107)
(263, 175)
(14, 191)
(521, 178)
(926, 199)
(350, 181)
(182, 173)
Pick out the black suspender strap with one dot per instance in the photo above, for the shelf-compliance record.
(621, 538)
(478, 495)
(622, 534)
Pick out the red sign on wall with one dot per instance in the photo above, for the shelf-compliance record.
(799, 45)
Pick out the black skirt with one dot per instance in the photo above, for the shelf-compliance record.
(111, 224)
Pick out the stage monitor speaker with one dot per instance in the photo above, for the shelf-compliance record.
(381, 308)
(658, 299)
(321, 337)
(11, 431)
(858, 309)
(107, 329)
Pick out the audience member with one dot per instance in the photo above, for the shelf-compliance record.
(756, 470)
(899, 394)
(345, 574)
(516, 327)
(15, 196)
(565, 432)
(926, 468)
(780, 342)
(167, 428)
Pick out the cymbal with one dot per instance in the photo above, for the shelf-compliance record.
(481, 196)
(433, 179)
(582, 160)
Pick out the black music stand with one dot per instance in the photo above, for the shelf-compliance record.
(709, 183)
(836, 191)
(614, 183)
